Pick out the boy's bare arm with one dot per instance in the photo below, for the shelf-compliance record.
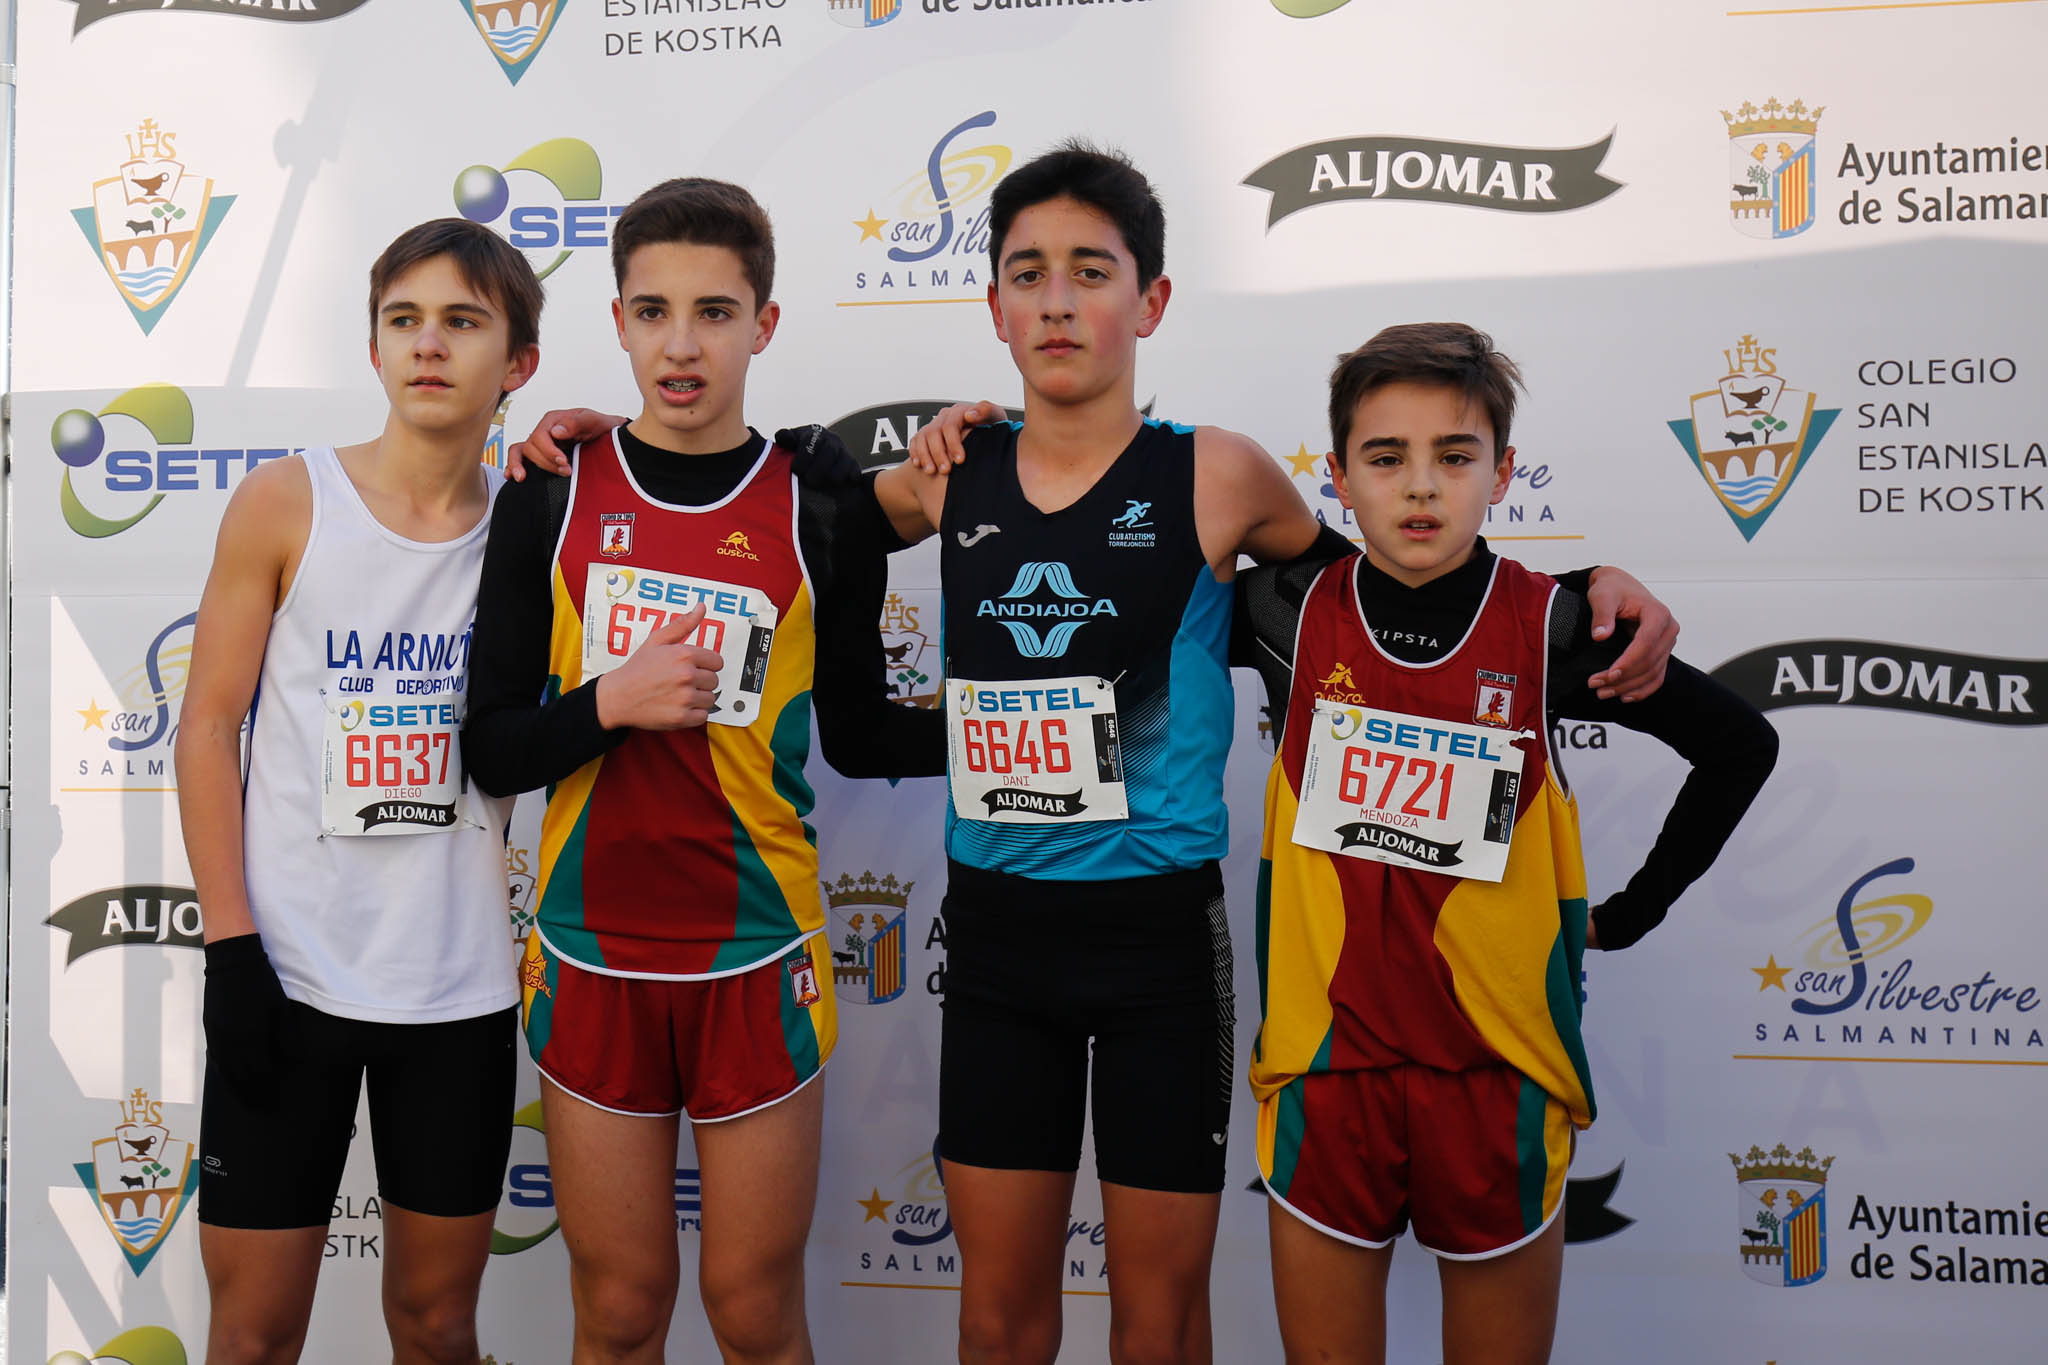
(261, 537)
(1244, 504)
(912, 500)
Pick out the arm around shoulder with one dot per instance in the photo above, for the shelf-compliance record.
(1244, 504)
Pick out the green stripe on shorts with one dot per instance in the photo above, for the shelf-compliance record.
(1532, 1155)
(798, 1036)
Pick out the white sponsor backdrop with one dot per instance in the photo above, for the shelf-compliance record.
(290, 152)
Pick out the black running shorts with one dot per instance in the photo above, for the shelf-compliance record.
(440, 1120)
(1038, 970)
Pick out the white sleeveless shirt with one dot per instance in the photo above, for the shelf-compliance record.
(376, 873)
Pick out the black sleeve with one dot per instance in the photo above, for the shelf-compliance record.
(1729, 744)
(1266, 609)
(863, 732)
(1579, 581)
(519, 735)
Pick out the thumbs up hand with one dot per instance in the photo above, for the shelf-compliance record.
(667, 684)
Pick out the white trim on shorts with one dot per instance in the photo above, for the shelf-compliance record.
(582, 1098)
(1324, 1228)
(1564, 1191)
(768, 1104)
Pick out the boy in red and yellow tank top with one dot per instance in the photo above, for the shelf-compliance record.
(654, 635)
(1422, 912)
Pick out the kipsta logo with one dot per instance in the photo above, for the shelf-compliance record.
(1072, 608)
(1752, 434)
(935, 235)
(1472, 174)
(871, 949)
(1771, 180)
(127, 745)
(277, 11)
(167, 465)
(864, 13)
(150, 222)
(1888, 677)
(142, 1176)
(1781, 1214)
(555, 210)
(515, 30)
(137, 1346)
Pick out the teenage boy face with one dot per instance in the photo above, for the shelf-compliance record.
(1419, 476)
(443, 349)
(1066, 299)
(687, 317)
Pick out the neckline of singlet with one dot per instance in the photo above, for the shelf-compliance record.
(354, 498)
(620, 436)
(1017, 482)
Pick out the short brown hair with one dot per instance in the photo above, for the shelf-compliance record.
(702, 213)
(489, 264)
(1445, 353)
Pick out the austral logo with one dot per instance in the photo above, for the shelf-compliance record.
(120, 916)
(1889, 677)
(1771, 168)
(515, 30)
(870, 937)
(142, 1177)
(168, 463)
(279, 11)
(1781, 1214)
(932, 240)
(1852, 982)
(547, 199)
(1752, 434)
(151, 221)
(1071, 609)
(1471, 174)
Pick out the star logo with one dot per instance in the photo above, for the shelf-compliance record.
(1772, 974)
(1303, 462)
(95, 715)
(876, 1206)
(871, 227)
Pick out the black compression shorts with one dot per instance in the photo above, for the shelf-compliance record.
(1035, 971)
(440, 1120)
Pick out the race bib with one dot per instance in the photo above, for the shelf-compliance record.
(622, 607)
(1037, 753)
(391, 767)
(1428, 794)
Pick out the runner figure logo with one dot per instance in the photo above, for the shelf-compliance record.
(142, 1176)
(515, 30)
(150, 222)
(1781, 1214)
(1771, 180)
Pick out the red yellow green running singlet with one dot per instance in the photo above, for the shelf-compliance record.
(685, 853)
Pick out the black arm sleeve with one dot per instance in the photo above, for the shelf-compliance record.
(1266, 609)
(1729, 744)
(519, 735)
(863, 732)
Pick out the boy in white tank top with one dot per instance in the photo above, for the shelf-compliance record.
(354, 880)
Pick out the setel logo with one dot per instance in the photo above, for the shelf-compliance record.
(514, 30)
(136, 1346)
(166, 464)
(1071, 609)
(526, 1212)
(935, 234)
(543, 201)
(151, 221)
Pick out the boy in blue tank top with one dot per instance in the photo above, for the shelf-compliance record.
(355, 901)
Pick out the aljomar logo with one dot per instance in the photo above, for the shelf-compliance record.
(1889, 677)
(123, 915)
(1474, 174)
(150, 222)
(282, 11)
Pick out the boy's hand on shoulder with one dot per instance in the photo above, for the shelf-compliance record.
(819, 458)
(544, 449)
(667, 684)
(941, 443)
(1615, 595)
